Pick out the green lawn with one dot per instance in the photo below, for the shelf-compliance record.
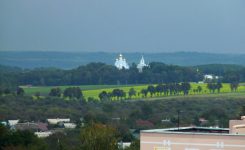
(94, 90)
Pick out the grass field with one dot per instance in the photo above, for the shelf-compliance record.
(94, 90)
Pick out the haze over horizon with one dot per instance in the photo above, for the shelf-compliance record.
(215, 26)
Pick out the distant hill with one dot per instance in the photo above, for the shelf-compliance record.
(67, 60)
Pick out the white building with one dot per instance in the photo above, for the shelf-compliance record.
(43, 134)
(121, 62)
(70, 125)
(13, 122)
(56, 121)
(142, 64)
(209, 78)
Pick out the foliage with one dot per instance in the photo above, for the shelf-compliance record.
(131, 92)
(19, 140)
(135, 145)
(20, 91)
(55, 92)
(73, 92)
(98, 137)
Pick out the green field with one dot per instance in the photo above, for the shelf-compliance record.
(94, 90)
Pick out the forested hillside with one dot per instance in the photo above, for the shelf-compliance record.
(100, 73)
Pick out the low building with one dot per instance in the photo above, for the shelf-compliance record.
(70, 125)
(57, 120)
(195, 138)
(210, 78)
(43, 134)
(12, 122)
(32, 126)
(123, 145)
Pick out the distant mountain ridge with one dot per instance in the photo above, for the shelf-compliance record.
(68, 60)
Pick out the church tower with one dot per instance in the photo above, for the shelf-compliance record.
(142, 64)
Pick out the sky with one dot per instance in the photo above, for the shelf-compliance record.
(123, 25)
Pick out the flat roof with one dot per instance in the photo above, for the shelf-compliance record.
(193, 130)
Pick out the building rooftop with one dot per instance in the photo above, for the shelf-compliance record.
(193, 130)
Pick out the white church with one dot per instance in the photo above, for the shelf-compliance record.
(122, 63)
(142, 64)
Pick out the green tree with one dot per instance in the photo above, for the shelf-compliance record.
(151, 90)
(199, 89)
(211, 87)
(219, 86)
(20, 91)
(131, 92)
(118, 93)
(104, 96)
(37, 94)
(98, 137)
(73, 92)
(185, 87)
(55, 92)
(234, 86)
(144, 92)
(135, 145)
(159, 89)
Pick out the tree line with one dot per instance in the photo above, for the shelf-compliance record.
(158, 90)
(100, 73)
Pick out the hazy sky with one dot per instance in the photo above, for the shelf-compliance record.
(123, 25)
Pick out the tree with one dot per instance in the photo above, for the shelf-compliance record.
(118, 93)
(37, 94)
(185, 87)
(199, 89)
(19, 140)
(7, 91)
(104, 96)
(144, 92)
(55, 92)
(234, 86)
(98, 137)
(131, 92)
(73, 92)
(211, 87)
(1, 91)
(219, 86)
(151, 89)
(135, 145)
(159, 89)
(165, 89)
(20, 91)
(242, 111)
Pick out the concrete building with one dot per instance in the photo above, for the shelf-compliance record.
(195, 138)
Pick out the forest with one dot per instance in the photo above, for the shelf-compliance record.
(103, 74)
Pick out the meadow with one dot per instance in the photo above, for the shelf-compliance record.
(94, 90)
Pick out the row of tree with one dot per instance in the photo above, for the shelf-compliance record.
(71, 92)
(159, 90)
